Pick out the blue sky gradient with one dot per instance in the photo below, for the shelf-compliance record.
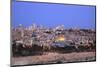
(52, 15)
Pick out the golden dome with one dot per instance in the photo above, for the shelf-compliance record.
(60, 38)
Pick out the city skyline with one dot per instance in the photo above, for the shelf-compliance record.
(53, 15)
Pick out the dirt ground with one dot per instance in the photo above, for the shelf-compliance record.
(54, 58)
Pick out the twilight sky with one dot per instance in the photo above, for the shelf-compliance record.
(52, 15)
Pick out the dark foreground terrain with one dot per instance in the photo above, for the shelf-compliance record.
(52, 57)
